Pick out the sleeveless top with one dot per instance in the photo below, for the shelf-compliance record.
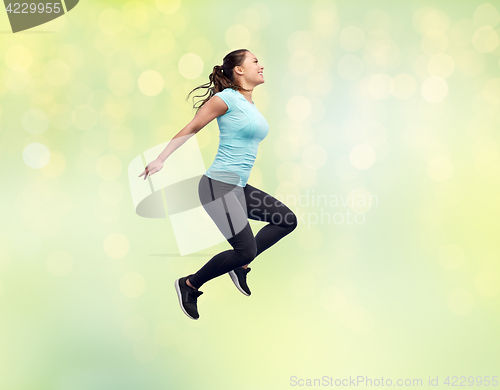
(241, 128)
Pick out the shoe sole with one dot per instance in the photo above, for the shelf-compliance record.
(178, 289)
(234, 278)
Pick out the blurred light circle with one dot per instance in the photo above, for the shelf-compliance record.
(441, 65)
(35, 121)
(319, 84)
(57, 72)
(358, 319)
(485, 39)
(481, 107)
(491, 91)
(360, 200)
(318, 111)
(190, 66)
(60, 116)
(333, 299)
(344, 169)
(434, 89)
(168, 6)
(430, 18)
(351, 38)
(18, 57)
(189, 342)
(111, 192)
(362, 156)
(311, 237)
(121, 82)
(471, 63)
(350, 67)
(93, 142)
(485, 150)
(451, 256)
(404, 86)
(36, 155)
(440, 168)
(59, 263)
(325, 19)
(146, 350)
(460, 301)
(111, 21)
(486, 15)
(304, 176)
(109, 167)
(162, 41)
(116, 245)
(106, 213)
(121, 138)
(487, 283)
(380, 86)
(28, 244)
(298, 108)
(434, 42)
(285, 171)
(166, 333)
(84, 117)
(301, 63)
(302, 42)
(16, 81)
(256, 16)
(86, 163)
(303, 285)
(135, 14)
(314, 156)
(448, 194)
(238, 36)
(135, 328)
(150, 83)
(132, 285)
(5, 258)
(71, 55)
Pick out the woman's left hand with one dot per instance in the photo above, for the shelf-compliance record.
(152, 167)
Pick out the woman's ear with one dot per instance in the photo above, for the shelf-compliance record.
(238, 70)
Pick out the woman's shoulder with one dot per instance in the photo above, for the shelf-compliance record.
(227, 91)
(229, 97)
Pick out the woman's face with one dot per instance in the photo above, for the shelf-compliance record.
(253, 71)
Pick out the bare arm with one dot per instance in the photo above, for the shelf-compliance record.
(212, 109)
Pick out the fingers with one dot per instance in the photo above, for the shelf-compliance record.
(147, 172)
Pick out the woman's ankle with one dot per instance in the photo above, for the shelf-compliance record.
(190, 285)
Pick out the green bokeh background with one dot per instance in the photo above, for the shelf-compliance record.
(397, 101)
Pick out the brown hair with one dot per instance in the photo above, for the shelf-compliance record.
(222, 76)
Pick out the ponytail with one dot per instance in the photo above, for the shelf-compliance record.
(222, 77)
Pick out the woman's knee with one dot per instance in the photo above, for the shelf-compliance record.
(249, 252)
(290, 221)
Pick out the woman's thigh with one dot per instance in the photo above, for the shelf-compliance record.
(264, 207)
(225, 203)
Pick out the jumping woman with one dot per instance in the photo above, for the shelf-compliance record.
(223, 189)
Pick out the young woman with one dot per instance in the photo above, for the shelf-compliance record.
(223, 189)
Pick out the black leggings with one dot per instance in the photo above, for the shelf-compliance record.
(229, 206)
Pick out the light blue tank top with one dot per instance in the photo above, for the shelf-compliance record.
(241, 128)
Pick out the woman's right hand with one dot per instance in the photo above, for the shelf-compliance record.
(153, 167)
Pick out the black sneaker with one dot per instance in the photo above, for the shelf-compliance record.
(239, 278)
(187, 298)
